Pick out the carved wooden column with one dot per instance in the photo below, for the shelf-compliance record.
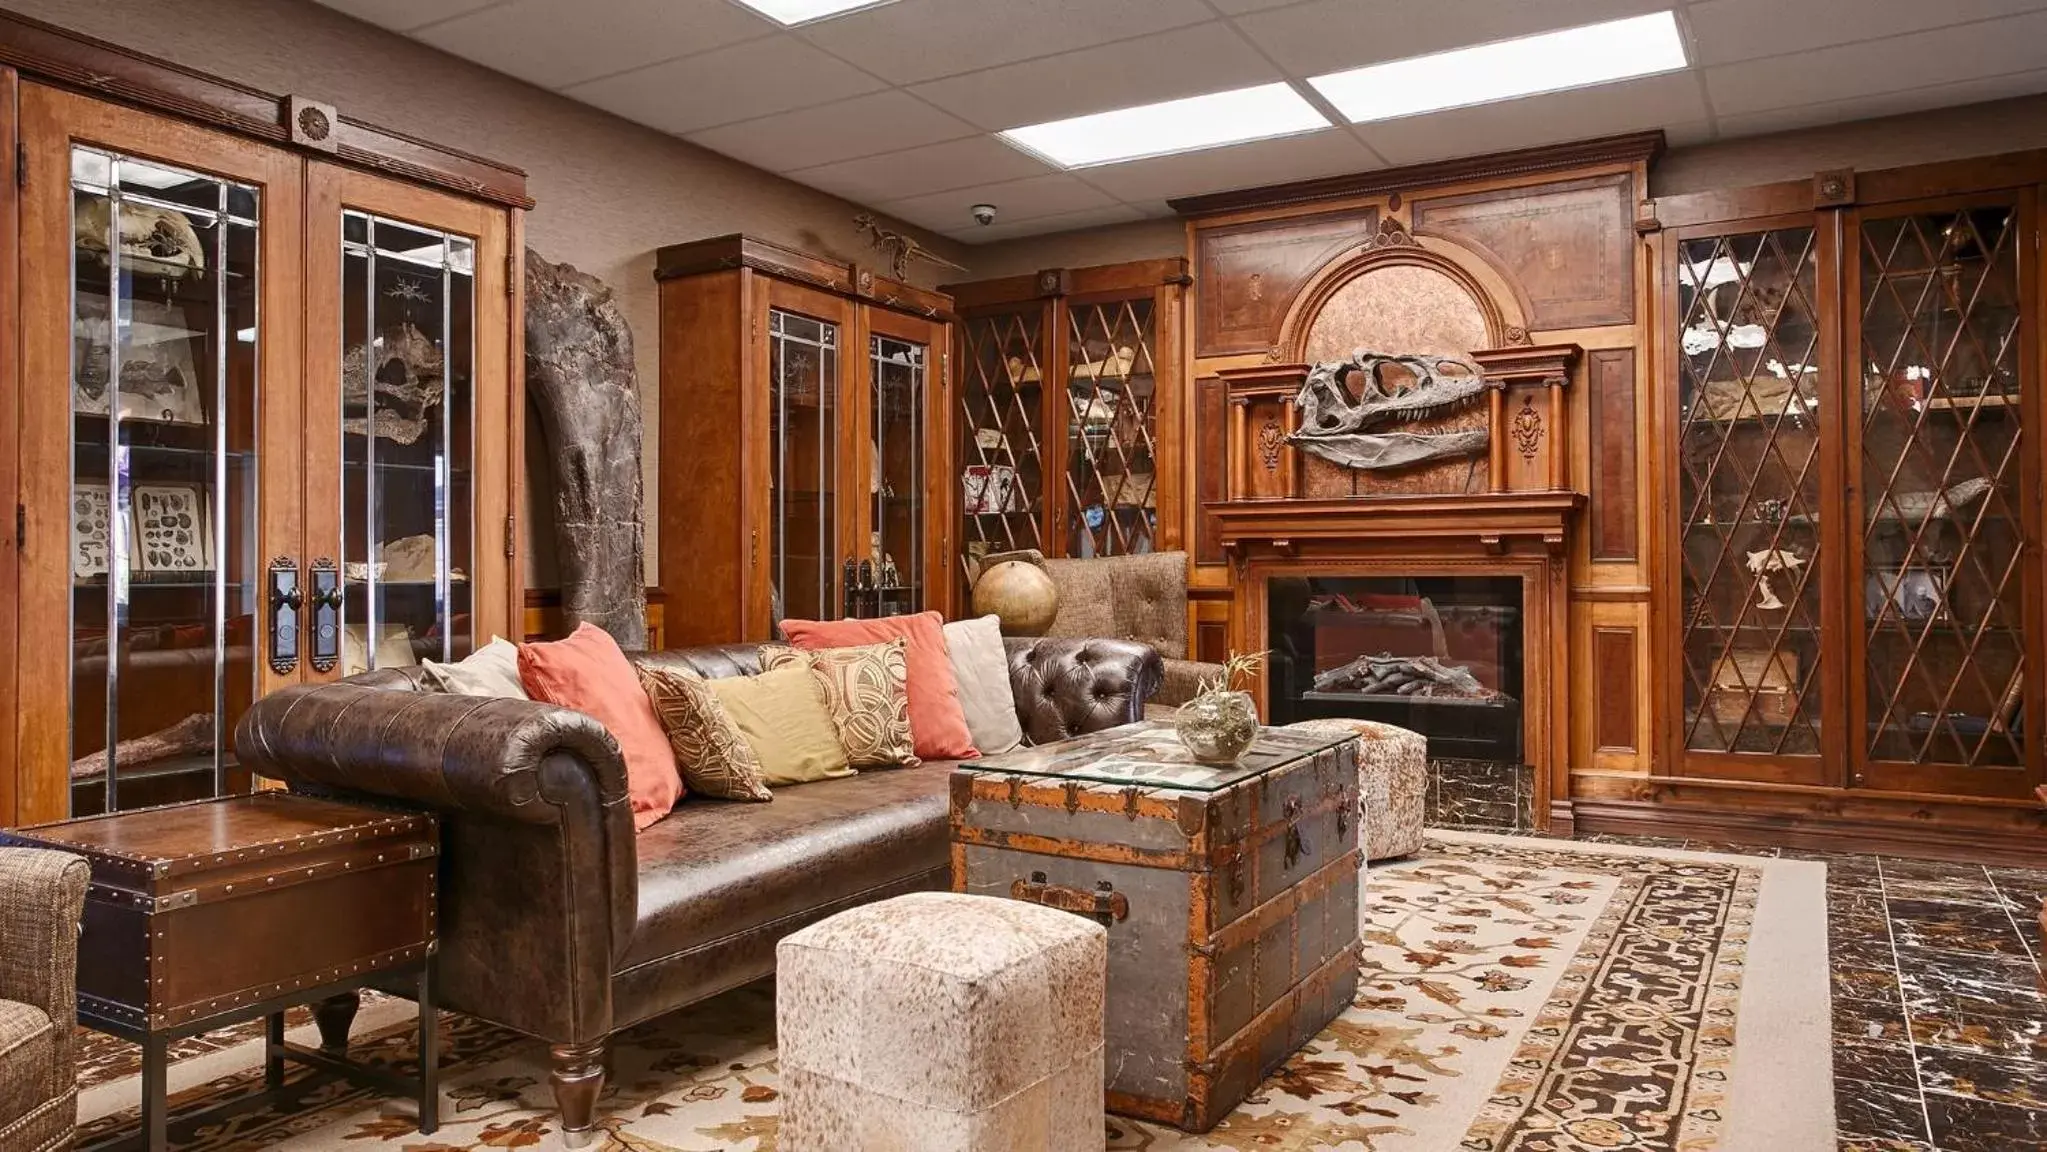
(1531, 449)
(1263, 466)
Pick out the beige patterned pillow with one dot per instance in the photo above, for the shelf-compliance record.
(866, 689)
(714, 758)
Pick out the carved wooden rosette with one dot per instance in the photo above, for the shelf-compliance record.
(1530, 448)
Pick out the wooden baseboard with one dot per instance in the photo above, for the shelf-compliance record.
(1781, 830)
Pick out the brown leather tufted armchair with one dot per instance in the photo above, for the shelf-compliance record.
(558, 921)
(1141, 598)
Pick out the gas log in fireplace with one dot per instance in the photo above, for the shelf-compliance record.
(1433, 600)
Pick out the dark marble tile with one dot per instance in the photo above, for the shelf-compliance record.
(1486, 794)
(1876, 1061)
(1862, 900)
(1864, 983)
(1952, 927)
(1965, 890)
(1866, 1109)
(1871, 1144)
(1730, 848)
(1994, 1078)
(1859, 942)
(1901, 868)
(1974, 983)
(1968, 1124)
(1967, 1027)
(1881, 1021)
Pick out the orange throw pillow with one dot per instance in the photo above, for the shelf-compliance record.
(938, 725)
(588, 673)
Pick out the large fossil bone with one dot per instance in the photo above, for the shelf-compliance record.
(1350, 430)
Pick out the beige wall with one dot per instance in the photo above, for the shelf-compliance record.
(609, 192)
(1923, 137)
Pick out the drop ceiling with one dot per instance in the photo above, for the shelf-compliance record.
(895, 106)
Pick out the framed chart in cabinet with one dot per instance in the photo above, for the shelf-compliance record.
(409, 419)
(160, 462)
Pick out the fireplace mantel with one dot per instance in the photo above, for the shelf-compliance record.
(1493, 521)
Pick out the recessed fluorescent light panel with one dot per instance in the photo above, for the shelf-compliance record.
(1484, 73)
(804, 11)
(1173, 126)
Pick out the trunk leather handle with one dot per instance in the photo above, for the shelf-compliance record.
(1104, 905)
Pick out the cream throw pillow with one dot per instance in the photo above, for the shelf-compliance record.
(866, 690)
(981, 665)
(492, 670)
(781, 715)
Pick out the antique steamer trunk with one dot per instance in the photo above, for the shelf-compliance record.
(217, 905)
(1230, 896)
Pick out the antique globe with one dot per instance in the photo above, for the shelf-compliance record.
(1020, 594)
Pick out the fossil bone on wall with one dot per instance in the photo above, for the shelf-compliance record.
(580, 380)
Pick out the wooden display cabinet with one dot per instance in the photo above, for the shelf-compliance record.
(1069, 378)
(210, 504)
(803, 425)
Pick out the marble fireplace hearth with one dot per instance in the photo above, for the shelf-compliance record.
(1479, 795)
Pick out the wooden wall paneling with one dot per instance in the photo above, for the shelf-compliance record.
(516, 528)
(49, 120)
(10, 452)
(1527, 232)
(1172, 398)
(1210, 463)
(1250, 274)
(1610, 409)
(1614, 695)
(707, 363)
(1055, 415)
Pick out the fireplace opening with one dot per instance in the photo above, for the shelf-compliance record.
(1438, 655)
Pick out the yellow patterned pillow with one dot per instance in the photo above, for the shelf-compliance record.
(866, 689)
(714, 758)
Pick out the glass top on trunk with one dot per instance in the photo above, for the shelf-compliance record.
(1148, 753)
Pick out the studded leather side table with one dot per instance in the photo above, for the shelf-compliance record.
(207, 914)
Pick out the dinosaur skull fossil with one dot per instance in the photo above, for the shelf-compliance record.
(162, 238)
(406, 368)
(1349, 429)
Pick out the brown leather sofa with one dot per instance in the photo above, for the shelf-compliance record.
(556, 920)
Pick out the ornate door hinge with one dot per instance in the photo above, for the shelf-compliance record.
(511, 535)
(511, 275)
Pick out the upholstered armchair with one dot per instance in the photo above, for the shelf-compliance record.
(42, 898)
(1141, 598)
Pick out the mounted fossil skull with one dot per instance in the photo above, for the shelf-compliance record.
(1349, 427)
(161, 238)
(407, 370)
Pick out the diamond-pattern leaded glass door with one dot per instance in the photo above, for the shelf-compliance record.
(1111, 433)
(1004, 364)
(1751, 470)
(1940, 586)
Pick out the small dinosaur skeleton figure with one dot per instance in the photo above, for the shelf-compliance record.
(899, 249)
(1392, 389)
(1765, 562)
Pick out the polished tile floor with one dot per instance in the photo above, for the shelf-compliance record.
(1940, 1025)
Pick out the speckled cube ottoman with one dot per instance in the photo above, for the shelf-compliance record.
(939, 1022)
(1393, 778)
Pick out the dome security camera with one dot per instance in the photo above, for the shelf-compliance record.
(983, 213)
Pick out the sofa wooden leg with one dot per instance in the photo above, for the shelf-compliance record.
(578, 1079)
(335, 1015)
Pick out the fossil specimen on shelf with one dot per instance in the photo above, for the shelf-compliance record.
(162, 237)
(1351, 430)
(410, 377)
(899, 249)
(1770, 560)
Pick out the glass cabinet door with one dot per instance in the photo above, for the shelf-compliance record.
(899, 371)
(1111, 435)
(408, 320)
(803, 402)
(1750, 491)
(164, 395)
(1001, 397)
(1940, 592)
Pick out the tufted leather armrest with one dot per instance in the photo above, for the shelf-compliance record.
(1065, 687)
(539, 872)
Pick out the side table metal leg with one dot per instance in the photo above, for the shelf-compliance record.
(155, 1118)
(429, 1055)
(273, 1052)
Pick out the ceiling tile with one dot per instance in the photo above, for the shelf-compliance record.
(1044, 225)
(1325, 153)
(737, 82)
(1580, 114)
(553, 43)
(1332, 35)
(1726, 31)
(1974, 90)
(1991, 48)
(911, 40)
(863, 126)
(1015, 201)
(404, 15)
(1189, 61)
(916, 171)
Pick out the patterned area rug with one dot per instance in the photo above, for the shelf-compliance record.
(1518, 994)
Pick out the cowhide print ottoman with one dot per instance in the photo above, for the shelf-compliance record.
(1393, 777)
(940, 1022)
